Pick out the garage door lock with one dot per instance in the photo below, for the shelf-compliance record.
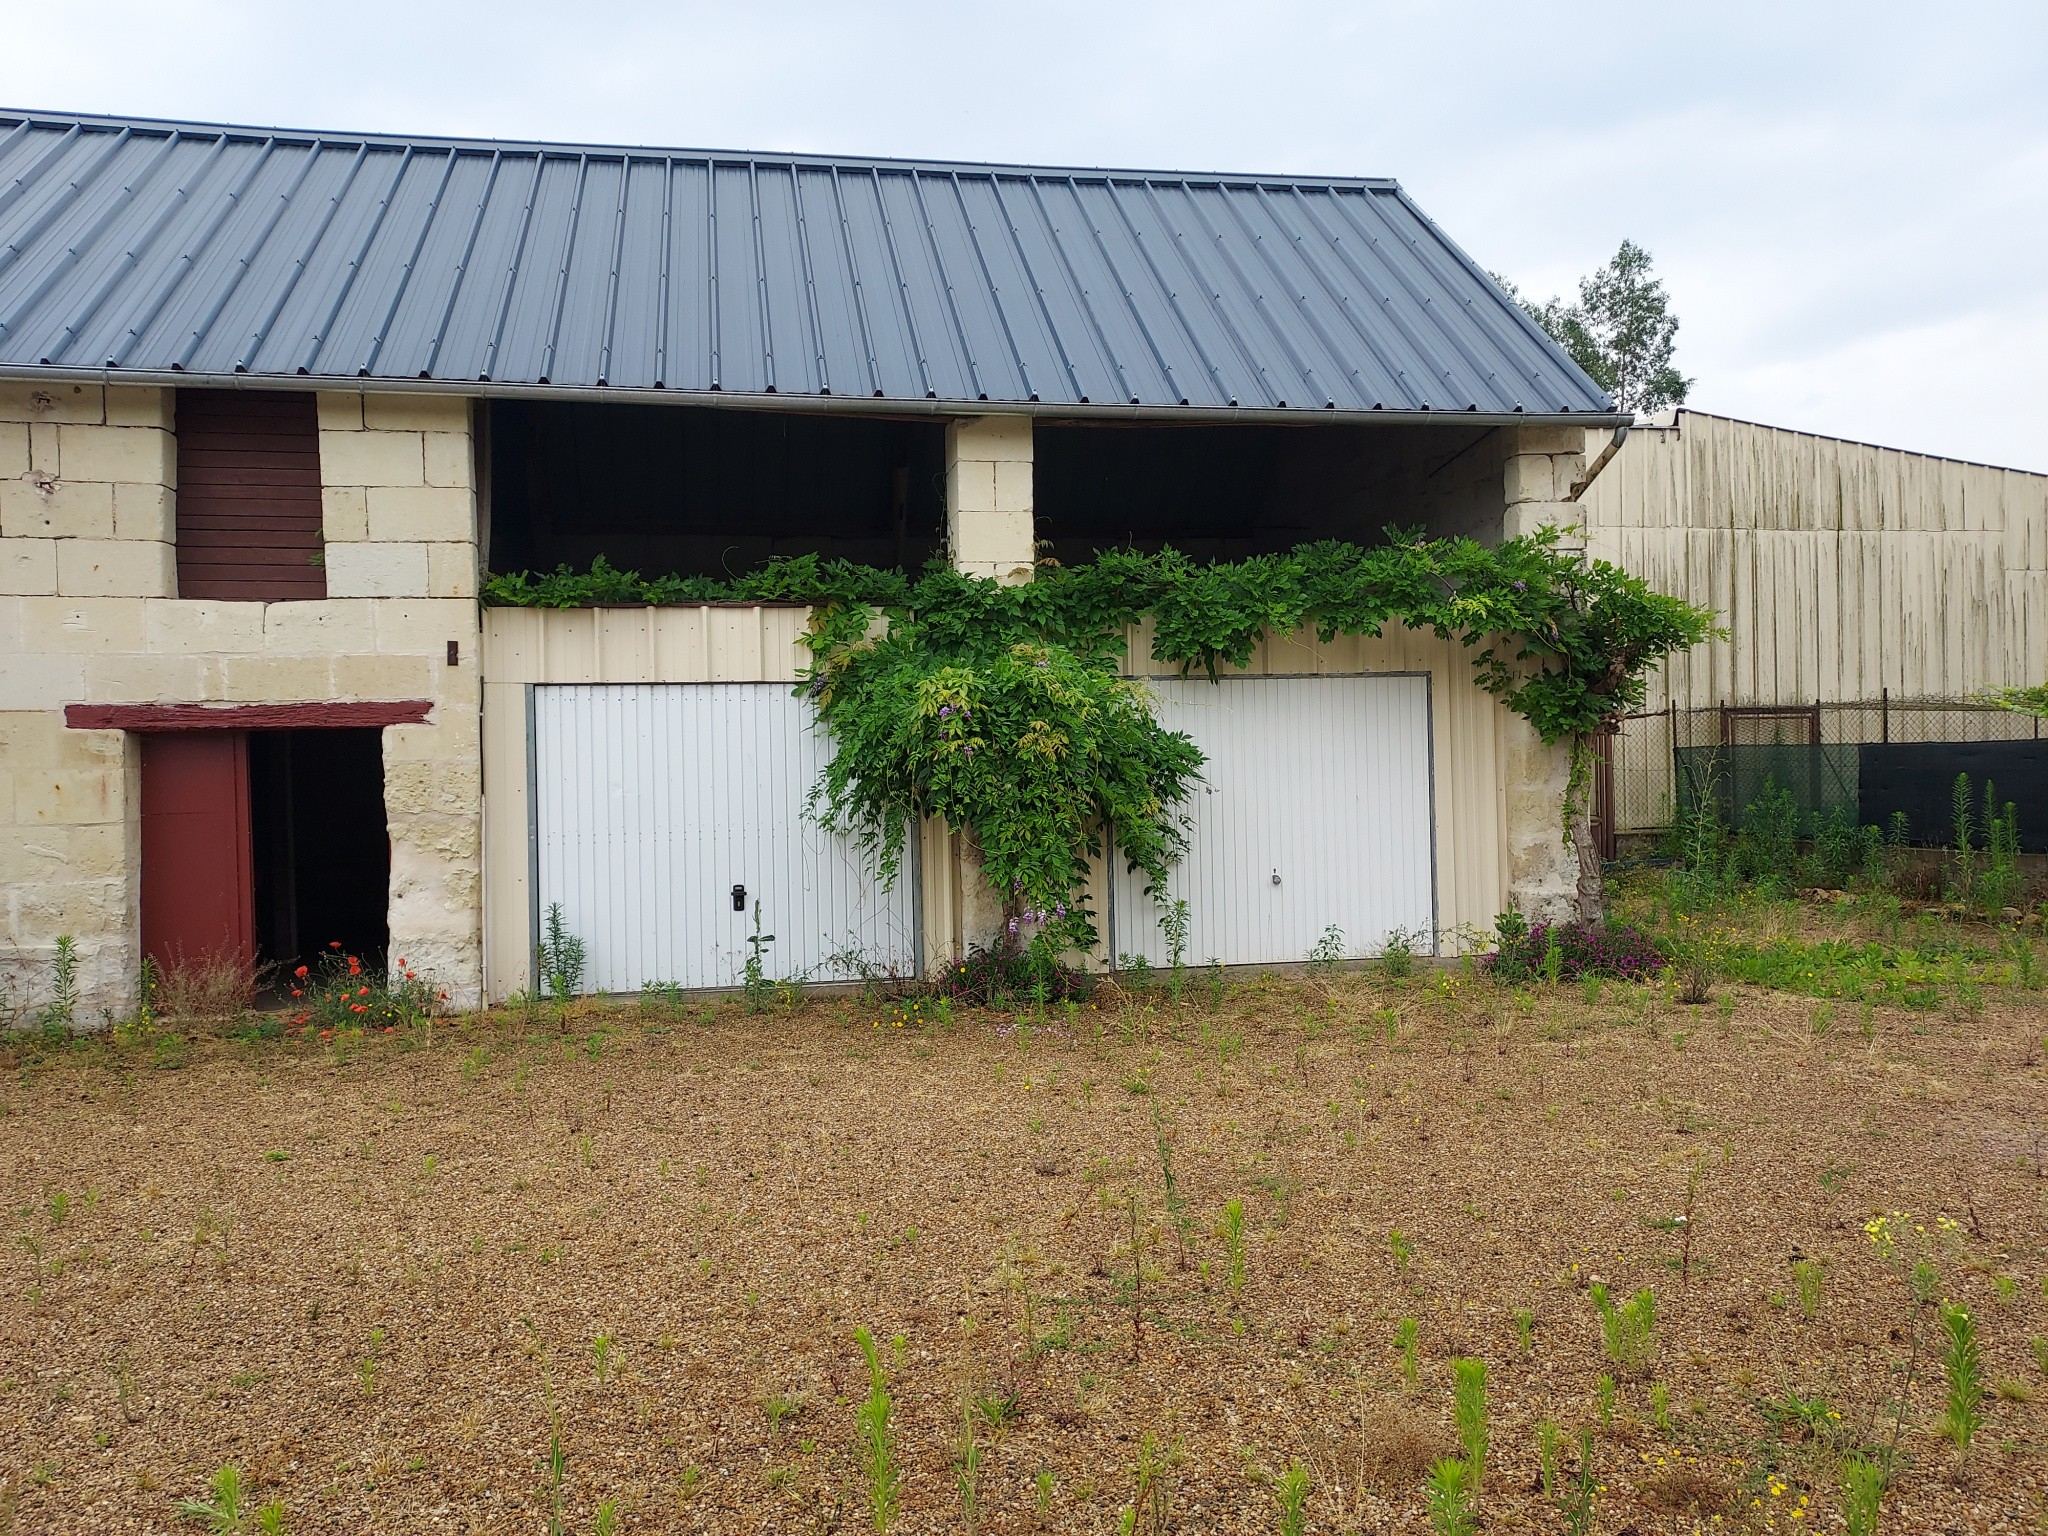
(739, 898)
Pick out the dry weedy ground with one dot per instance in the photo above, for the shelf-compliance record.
(377, 1284)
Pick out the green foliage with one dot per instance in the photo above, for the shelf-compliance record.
(1627, 1330)
(1407, 1338)
(1448, 1493)
(874, 1440)
(226, 1514)
(2024, 701)
(1546, 1455)
(61, 1012)
(999, 709)
(1863, 1480)
(1290, 1495)
(559, 958)
(1468, 1395)
(1621, 331)
(755, 985)
(1327, 953)
(1811, 1279)
(1962, 1362)
(1577, 1506)
(1233, 1244)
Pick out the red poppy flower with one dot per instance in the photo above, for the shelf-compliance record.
(297, 993)
(300, 973)
(363, 992)
(334, 943)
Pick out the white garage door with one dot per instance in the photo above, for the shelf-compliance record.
(1315, 813)
(654, 801)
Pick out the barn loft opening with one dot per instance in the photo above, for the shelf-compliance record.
(1225, 492)
(321, 851)
(708, 492)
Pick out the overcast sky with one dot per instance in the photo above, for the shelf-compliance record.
(1848, 202)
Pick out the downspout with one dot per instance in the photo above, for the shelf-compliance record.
(1593, 469)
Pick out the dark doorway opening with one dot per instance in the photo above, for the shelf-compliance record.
(321, 849)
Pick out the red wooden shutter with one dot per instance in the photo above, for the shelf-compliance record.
(249, 496)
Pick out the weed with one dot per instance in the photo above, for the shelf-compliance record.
(881, 1480)
(1546, 1456)
(1578, 1505)
(1174, 923)
(2013, 1390)
(2040, 1348)
(755, 987)
(1660, 1407)
(1176, 1206)
(1448, 1493)
(1151, 1508)
(1627, 1330)
(1603, 1391)
(1290, 1494)
(1811, 1279)
(1468, 1396)
(1232, 1232)
(224, 1513)
(1403, 1249)
(996, 1408)
(216, 985)
(1397, 954)
(606, 1521)
(1326, 953)
(1962, 1362)
(1525, 1330)
(1863, 1480)
(780, 1407)
(559, 958)
(967, 1472)
(1213, 976)
(59, 1205)
(1406, 1337)
(601, 1356)
(61, 1012)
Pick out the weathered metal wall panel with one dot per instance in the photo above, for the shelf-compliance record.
(1842, 570)
(228, 253)
(1314, 814)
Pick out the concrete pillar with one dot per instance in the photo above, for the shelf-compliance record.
(1543, 464)
(988, 497)
(989, 532)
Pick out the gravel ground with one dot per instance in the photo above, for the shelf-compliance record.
(379, 1285)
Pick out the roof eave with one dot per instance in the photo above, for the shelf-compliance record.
(836, 405)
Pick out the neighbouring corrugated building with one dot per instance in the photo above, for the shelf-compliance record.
(271, 402)
(1872, 597)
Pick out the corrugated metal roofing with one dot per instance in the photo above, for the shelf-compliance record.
(151, 248)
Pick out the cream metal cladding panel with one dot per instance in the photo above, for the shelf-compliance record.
(1840, 569)
(521, 646)
(1468, 745)
(666, 812)
(1314, 813)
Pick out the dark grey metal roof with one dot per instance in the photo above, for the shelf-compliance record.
(153, 249)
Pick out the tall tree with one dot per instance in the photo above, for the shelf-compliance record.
(1621, 331)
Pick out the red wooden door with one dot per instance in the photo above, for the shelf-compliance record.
(198, 897)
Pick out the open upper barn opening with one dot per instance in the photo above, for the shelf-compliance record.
(1225, 492)
(708, 492)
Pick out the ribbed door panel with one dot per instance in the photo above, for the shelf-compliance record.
(653, 800)
(1324, 781)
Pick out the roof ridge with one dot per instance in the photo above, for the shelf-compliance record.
(9, 116)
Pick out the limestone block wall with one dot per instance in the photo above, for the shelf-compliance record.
(1543, 464)
(88, 614)
(989, 507)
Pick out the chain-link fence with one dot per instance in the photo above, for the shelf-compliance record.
(1871, 758)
